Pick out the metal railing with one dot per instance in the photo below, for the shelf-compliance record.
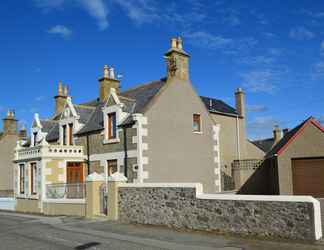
(66, 191)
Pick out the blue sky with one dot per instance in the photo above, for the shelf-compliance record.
(274, 50)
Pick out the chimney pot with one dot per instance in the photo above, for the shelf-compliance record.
(180, 43)
(66, 90)
(60, 89)
(277, 134)
(112, 73)
(174, 43)
(106, 71)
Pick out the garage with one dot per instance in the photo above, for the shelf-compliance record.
(308, 177)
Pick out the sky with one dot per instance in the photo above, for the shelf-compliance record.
(274, 50)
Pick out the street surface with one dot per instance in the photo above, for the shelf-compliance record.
(22, 231)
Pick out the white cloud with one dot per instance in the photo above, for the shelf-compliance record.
(301, 33)
(141, 11)
(318, 70)
(322, 48)
(259, 81)
(207, 40)
(97, 9)
(256, 108)
(262, 126)
(60, 30)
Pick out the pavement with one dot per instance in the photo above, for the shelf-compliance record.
(23, 231)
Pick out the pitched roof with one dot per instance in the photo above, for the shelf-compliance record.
(218, 106)
(134, 100)
(291, 135)
(143, 94)
(47, 125)
(265, 144)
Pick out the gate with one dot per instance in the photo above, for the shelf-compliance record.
(104, 199)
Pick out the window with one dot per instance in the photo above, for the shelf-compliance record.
(33, 177)
(196, 123)
(112, 167)
(112, 126)
(70, 133)
(64, 134)
(35, 138)
(22, 178)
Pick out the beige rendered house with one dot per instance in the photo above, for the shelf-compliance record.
(8, 141)
(294, 163)
(161, 131)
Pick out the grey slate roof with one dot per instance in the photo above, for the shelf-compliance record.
(53, 134)
(84, 113)
(134, 101)
(265, 144)
(218, 106)
(47, 125)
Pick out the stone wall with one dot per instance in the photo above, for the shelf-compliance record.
(68, 209)
(187, 207)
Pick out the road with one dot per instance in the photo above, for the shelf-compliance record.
(21, 231)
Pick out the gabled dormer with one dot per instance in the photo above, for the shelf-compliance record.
(113, 115)
(68, 123)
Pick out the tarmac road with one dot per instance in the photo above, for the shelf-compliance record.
(21, 231)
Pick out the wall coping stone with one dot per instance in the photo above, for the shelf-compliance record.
(117, 177)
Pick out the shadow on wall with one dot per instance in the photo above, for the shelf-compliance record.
(264, 181)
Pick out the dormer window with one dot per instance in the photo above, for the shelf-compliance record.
(112, 126)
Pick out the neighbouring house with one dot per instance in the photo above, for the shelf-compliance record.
(161, 131)
(294, 162)
(8, 142)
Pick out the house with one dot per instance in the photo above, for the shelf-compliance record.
(8, 141)
(161, 131)
(294, 162)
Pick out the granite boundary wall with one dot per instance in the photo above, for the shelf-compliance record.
(185, 206)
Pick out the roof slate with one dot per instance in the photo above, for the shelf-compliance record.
(265, 145)
(218, 106)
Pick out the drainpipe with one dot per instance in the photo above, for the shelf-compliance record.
(88, 154)
(125, 152)
(238, 153)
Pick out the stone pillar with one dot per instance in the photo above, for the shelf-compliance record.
(93, 184)
(113, 182)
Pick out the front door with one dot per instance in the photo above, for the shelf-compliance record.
(74, 179)
(74, 172)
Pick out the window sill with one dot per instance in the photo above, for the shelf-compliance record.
(111, 141)
(197, 132)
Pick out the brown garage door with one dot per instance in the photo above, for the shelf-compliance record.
(308, 177)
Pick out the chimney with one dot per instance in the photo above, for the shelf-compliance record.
(10, 124)
(60, 99)
(177, 60)
(23, 133)
(285, 131)
(107, 82)
(277, 134)
(240, 102)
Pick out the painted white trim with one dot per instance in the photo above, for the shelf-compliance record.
(65, 201)
(216, 153)
(141, 160)
(119, 156)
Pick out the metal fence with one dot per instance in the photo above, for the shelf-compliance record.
(65, 191)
